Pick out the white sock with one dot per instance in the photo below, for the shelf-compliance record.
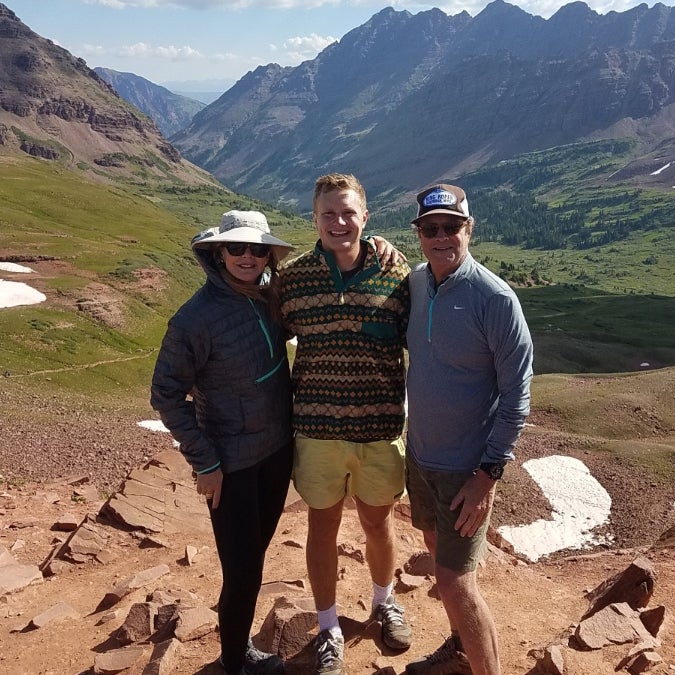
(381, 593)
(328, 619)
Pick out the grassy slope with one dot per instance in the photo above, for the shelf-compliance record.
(101, 234)
(606, 310)
(626, 416)
(104, 233)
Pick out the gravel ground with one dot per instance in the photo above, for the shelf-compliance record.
(43, 440)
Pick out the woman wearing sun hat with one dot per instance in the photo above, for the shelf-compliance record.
(222, 387)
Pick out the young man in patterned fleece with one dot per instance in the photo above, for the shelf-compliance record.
(349, 315)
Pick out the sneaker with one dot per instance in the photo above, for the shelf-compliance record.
(396, 632)
(446, 660)
(330, 651)
(262, 663)
(259, 662)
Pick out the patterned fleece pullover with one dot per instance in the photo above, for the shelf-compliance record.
(348, 375)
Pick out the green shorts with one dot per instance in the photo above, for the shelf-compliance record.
(431, 492)
(326, 471)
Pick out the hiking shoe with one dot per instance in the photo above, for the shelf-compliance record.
(446, 659)
(330, 651)
(259, 663)
(262, 663)
(396, 632)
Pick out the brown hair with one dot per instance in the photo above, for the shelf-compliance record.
(338, 181)
(268, 293)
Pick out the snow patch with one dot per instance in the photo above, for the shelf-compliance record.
(658, 171)
(16, 293)
(580, 504)
(156, 425)
(13, 267)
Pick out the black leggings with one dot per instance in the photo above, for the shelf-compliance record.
(251, 503)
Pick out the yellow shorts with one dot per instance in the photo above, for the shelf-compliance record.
(326, 471)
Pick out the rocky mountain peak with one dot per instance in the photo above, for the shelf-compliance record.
(405, 100)
(171, 112)
(52, 105)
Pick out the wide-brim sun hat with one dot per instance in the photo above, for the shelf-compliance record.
(242, 226)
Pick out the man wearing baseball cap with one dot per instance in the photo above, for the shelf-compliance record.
(468, 388)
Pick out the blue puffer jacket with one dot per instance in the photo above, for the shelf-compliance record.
(223, 349)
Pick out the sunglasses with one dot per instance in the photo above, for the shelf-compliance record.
(429, 230)
(238, 248)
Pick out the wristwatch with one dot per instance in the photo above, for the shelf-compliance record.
(494, 470)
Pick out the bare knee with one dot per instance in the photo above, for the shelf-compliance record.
(459, 587)
(376, 521)
(323, 524)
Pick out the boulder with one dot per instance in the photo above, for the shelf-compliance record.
(615, 624)
(15, 576)
(126, 586)
(288, 627)
(195, 622)
(117, 660)
(162, 658)
(139, 624)
(634, 586)
(160, 497)
(59, 612)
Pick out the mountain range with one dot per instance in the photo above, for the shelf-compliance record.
(53, 106)
(401, 101)
(405, 100)
(102, 207)
(170, 111)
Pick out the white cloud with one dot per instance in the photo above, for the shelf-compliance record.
(147, 59)
(301, 48)
(178, 53)
(290, 52)
(227, 57)
(142, 50)
(311, 42)
(91, 50)
(234, 5)
(544, 8)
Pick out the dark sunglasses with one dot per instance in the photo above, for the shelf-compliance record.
(238, 248)
(429, 230)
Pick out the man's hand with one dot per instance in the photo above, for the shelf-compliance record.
(210, 485)
(386, 252)
(475, 497)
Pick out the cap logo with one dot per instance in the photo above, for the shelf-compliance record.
(439, 198)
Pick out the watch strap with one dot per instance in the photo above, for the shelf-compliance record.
(494, 470)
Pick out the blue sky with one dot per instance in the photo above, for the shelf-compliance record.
(216, 42)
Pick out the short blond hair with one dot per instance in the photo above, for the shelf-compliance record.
(338, 181)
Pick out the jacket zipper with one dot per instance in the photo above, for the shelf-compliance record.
(266, 333)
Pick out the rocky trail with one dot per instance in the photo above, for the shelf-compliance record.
(102, 518)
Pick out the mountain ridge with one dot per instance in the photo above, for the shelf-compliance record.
(53, 106)
(170, 111)
(405, 100)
